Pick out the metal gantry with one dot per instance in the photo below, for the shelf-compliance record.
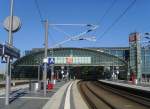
(80, 36)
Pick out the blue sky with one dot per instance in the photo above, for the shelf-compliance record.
(31, 34)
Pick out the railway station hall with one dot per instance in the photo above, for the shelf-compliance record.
(94, 62)
(75, 54)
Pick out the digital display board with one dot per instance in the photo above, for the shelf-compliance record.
(72, 60)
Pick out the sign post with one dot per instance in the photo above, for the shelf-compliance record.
(45, 57)
(51, 61)
(11, 24)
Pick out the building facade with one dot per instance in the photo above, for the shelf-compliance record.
(136, 57)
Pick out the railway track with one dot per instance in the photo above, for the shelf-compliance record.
(98, 96)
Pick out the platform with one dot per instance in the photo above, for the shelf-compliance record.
(68, 97)
(28, 99)
(127, 84)
(65, 95)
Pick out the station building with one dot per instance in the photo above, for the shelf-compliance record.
(125, 60)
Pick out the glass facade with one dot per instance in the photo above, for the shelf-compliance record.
(145, 53)
(118, 53)
(71, 57)
(79, 56)
(124, 53)
(90, 56)
(121, 52)
(135, 55)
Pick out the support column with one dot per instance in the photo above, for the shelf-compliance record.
(45, 57)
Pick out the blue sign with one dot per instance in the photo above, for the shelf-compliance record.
(3, 59)
(51, 60)
(11, 51)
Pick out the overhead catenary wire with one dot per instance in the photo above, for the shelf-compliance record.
(117, 19)
(106, 13)
(69, 24)
(76, 36)
(38, 9)
(41, 17)
(108, 10)
(62, 31)
(91, 27)
(53, 41)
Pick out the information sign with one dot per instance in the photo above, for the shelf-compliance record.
(69, 60)
(51, 60)
(11, 51)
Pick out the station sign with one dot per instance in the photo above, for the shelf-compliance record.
(51, 60)
(69, 60)
(4, 59)
(133, 37)
(73, 60)
(11, 51)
